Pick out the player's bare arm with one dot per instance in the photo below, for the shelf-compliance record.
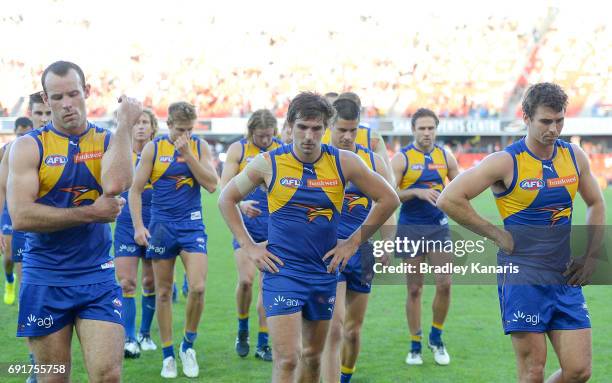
(452, 166)
(379, 147)
(387, 230)
(581, 269)
(384, 203)
(115, 176)
(143, 174)
(22, 193)
(398, 164)
(202, 169)
(4, 169)
(257, 172)
(494, 171)
(230, 169)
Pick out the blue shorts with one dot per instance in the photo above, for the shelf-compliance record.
(44, 310)
(7, 224)
(285, 295)
(540, 307)
(353, 274)
(436, 235)
(168, 239)
(18, 245)
(257, 228)
(124, 243)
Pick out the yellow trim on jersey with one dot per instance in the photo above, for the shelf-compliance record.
(519, 198)
(286, 167)
(416, 166)
(361, 139)
(251, 150)
(54, 148)
(165, 157)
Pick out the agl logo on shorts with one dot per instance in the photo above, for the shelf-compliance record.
(532, 184)
(45, 322)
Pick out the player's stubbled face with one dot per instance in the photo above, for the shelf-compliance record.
(344, 133)
(263, 137)
(180, 128)
(424, 132)
(546, 124)
(66, 96)
(143, 129)
(307, 135)
(41, 114)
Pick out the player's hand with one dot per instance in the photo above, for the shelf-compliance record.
(248, 208)
(505, 241)
(141, 236)
(429, 195)
(263, 259)
(181, 144)
(129, 111)
(106, 208)
(580, 270)
(341, 254)
(385, 259)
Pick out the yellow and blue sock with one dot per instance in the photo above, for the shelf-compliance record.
(167, 349)
(243, 322)
(188, 340)
(262, 337)
(129, 316)
(10, 277)
(346, 373)
(148, 311)
(415, 342)
(435, 336)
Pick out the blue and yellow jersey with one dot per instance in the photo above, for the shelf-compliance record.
(423, 171)
(147, 194)
(69, 176)
(363, 137)
(176, 192)
(305, 202)
(356, 205)
(539, 203)
(249, 151)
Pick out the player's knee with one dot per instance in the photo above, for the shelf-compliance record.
(164, 294)
(128, 286)
(311, 356)
(335, 331)
(245, 285)
(110, 374)
(443, 288)
(415, 291)
(577, 374)
(286, 361)
(352, 334)
(197, 288)
(534, 372)
(148, 283)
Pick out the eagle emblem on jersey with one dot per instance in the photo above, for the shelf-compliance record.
(182, 180)
(557, 213)
(81, 194)
(313, 212)
(353, 200)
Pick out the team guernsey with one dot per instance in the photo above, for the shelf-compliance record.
(305, 199)
(176, 208)
(68, 273)
(124, 243)
(355, 209)
(537, 211)
(364, 135)
(418, 218)
(257, 226)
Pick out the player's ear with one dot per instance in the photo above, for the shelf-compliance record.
(526, 119)
(87, 89)
(45, 97)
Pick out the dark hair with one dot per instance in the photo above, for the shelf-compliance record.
(23, 121)
(181, 111)
(261, 119)
(346, 109)
(546, 94)
(35, 98)
(61, 68)
(330, 94)
(309, 105)
(351, 96)
(423, 112)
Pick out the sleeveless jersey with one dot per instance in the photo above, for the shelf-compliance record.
(147, 194)
(363, 137)
(176, 192)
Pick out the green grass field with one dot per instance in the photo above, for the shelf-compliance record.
(473, 334)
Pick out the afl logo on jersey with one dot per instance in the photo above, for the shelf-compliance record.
(166, 159)
(56, 160)
(417, 167)
(291, 182)
(532, 184)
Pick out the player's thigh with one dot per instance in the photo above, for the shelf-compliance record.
(573, 348)
(414, 277)
(54, 348)
(286, 333)
(314, 333)
(244, 264)
(147, 274)
(8, 243)
(340, 303)
(102, 346)
(163, 271)
(196, 267)
(529, 347)
(356, 306)
(126, 269)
